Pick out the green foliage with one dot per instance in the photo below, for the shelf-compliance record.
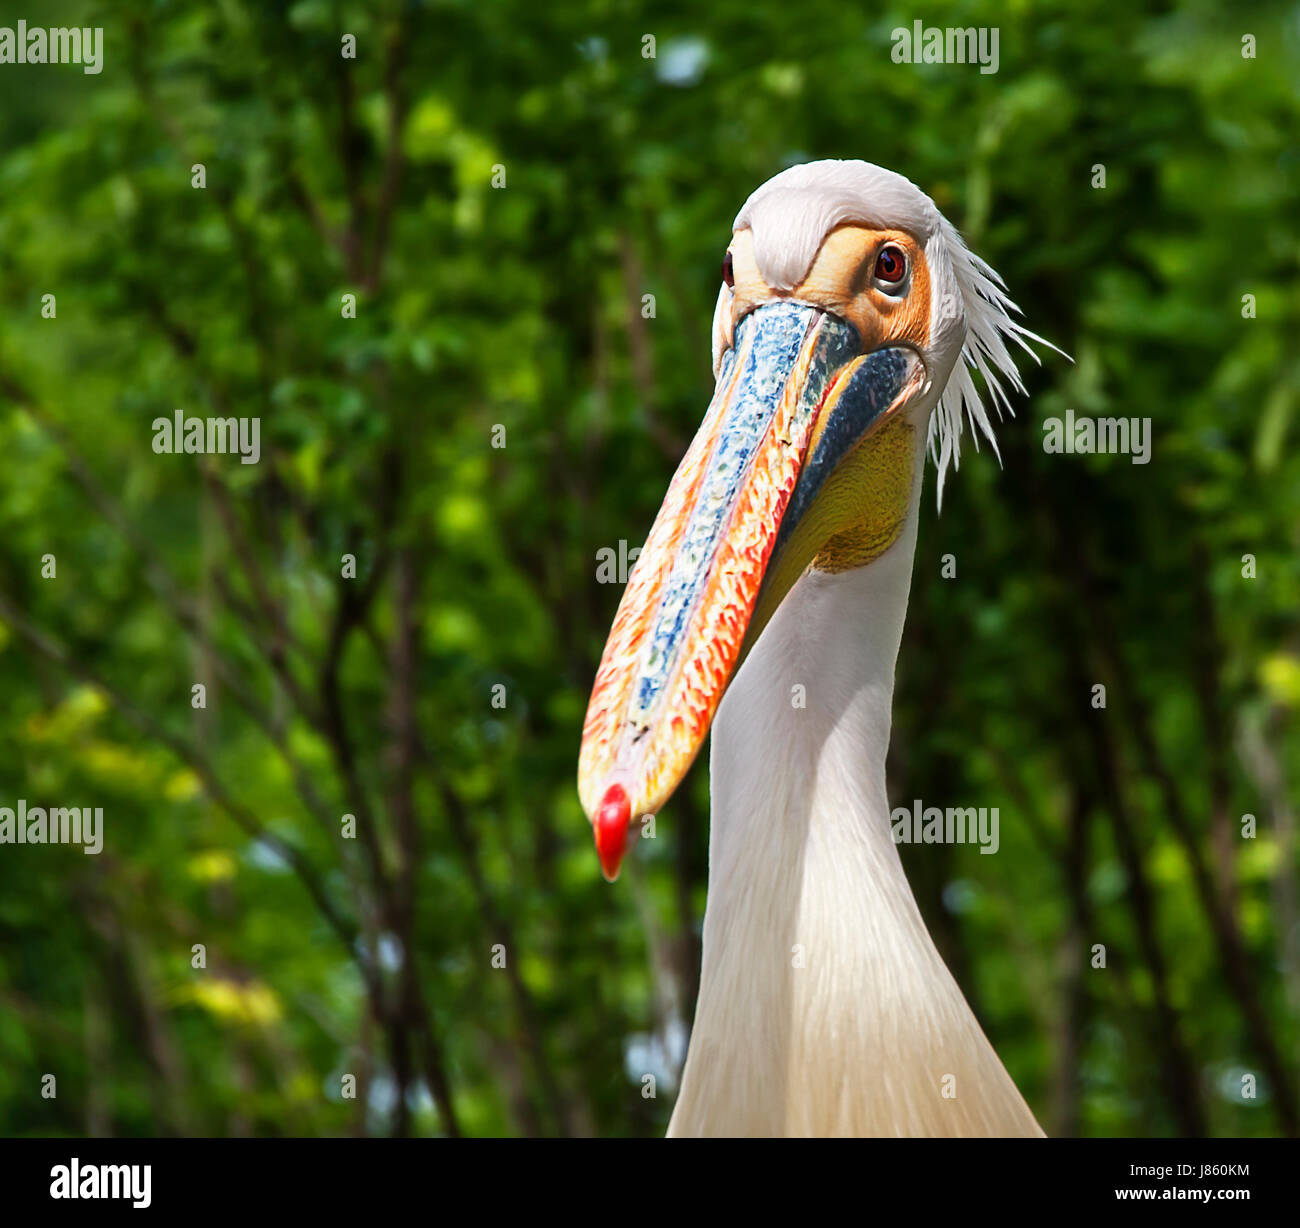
(521, 307)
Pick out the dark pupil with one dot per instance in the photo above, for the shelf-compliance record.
(888, 263)
(728, 273)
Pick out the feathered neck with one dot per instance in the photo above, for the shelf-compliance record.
(824, 1007)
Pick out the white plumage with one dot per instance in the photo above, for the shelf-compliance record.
(793, 212)
(850, 321)
(824, 1006)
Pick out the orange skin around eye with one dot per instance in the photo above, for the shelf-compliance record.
(840, 281)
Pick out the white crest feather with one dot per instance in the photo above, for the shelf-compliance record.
(793, 212)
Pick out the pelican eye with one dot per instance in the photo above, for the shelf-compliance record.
(728, 270)
(891, 268)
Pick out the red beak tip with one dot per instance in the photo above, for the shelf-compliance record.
(610, 830)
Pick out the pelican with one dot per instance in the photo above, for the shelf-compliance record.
(768, 604)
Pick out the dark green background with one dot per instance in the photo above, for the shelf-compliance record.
(521, 307)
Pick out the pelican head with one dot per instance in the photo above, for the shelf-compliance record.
(847, 301)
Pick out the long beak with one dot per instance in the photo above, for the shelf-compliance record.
(794, 396)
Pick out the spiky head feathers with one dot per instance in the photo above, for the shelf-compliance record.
(971, 315)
